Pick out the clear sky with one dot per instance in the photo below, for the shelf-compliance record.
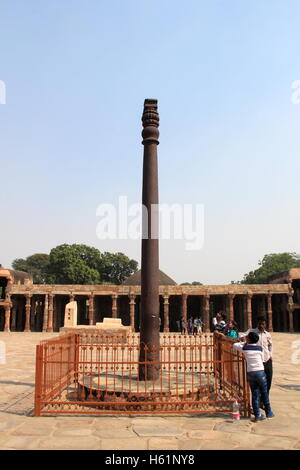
(76, 76)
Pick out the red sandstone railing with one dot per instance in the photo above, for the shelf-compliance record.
(93, 374)
(230, 369)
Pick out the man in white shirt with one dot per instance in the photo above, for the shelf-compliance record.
(256, 376)
(265, 341)
(219, 322)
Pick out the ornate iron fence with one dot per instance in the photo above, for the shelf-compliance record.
(96, 374)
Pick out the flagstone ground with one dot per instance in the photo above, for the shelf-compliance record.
(20, 430)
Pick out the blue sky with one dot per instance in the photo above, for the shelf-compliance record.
(76, 76)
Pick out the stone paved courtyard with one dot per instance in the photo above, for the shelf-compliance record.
(20, 430)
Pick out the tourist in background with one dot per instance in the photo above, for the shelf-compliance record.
(199, 326)
(190, 326)
(219, 322)
(231, 329)
(183, 325)
(195, 326)
(216, 320)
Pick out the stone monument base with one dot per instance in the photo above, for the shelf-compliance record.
(110, 328)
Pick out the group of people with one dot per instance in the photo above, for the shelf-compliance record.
(227, 328)
(256, 345)
(193, 326)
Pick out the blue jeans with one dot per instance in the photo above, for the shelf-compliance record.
(259, 389)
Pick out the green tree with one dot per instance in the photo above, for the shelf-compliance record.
(194, 283)
(77, 264)
(36, 265)
(116, 267)
(272, 264)
(74, 264)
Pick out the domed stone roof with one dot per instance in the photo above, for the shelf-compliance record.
(17, 277)
(135, 279)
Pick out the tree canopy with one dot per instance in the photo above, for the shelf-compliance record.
(272, 264)
(36, 265)
(77, 264)
(194, 283)
(116, 267)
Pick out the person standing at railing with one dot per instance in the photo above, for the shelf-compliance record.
(231, 329)
(219, 322)
(265, 340)
(256, 375)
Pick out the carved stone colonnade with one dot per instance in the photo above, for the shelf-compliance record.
(41, 308)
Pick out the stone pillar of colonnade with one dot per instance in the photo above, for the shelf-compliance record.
(291, 309)
(269, 312)
(33, 313)
(114, 307)
(184, 307)
(13, 324)
(91, 309)
(249, 310)
(284, 310)
(230, 306)
(166, 314)
(50, 313)
(206, 298)
(45, 316)
(27, 312)
(132, 310)
(7, 313)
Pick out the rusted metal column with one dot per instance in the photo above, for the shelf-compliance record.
(249, 310)
(27, 312)
(206, 298)
(166, 314)
(91, 310)
(230, 306)
(50, 314)
(132, 310)
(270, 316)
(184, 307)
(114, 307)
(150, 258)
(291, 309)
(45, 316)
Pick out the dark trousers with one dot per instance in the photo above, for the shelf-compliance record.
(258, 385)
(268, 366)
